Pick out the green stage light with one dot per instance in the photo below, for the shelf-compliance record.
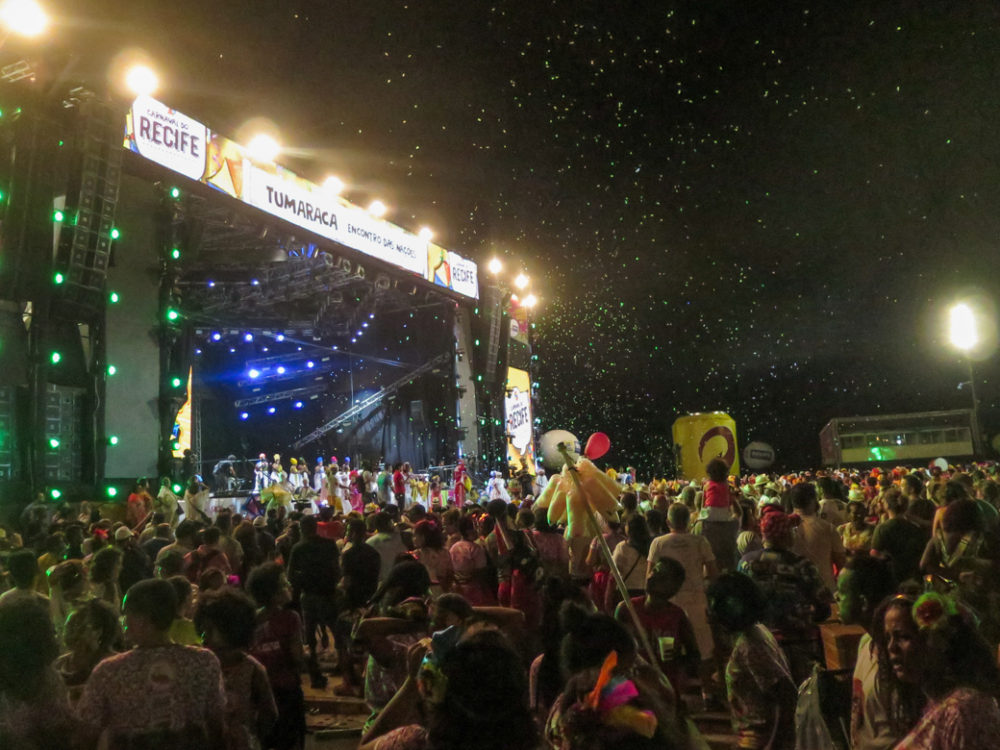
(58, 278)
(112, 369)
(115, 234)
(172, 314)
(55, 494)
(58, 216)
(177, 488)
(53, 443)
(113, 298)
(55, 358)
(111, 491)
(175, 193)
(176, 382)
(175, 253)
(112, 440)
(175, 446)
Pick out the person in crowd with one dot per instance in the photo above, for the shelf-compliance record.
(74, 542)
(34, 705)
(474, 694)
(277, 644)
(139, 503)
(104, 573)
(207, 555)
(857, 533)
(135, 566)
(899, 539)
(227, 620)
(55, 550)
(762, 694)
(23, 569)
(70, 589)
(180, 703)
(513, 553)
(551, 546)
(386, 541)
(602, 579)
(668, 627)
(957, 546)
(795, 595)
(471, 567)
(160, 539)
(185, 539)
(92, 634)
(816, 539)
(227, 543)
(196, 497)
(182, 629)
(695, 554)
(749, 538)
(314, 570)
(360, 565)
(920, 509)
(429, 551)
(631, 557)
(862, 585)
(166, 501)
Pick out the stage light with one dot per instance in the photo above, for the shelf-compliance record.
(113, 298)
(55, 494)
(254, 282)
(244, 415)
(175, 445)
(426, 234)
(377, 209)
(254, 374)
(248, 337)
(115, 233)
(211, 284)
(55, 358)
(271, 410)
(111, 491)
(58, 216)
(232, 351)
(197, 351)
(310, 364)
(530, 301)
(142, 81)
(280, 370)
(175, 253)
(962, 327)
(112, 440)
(177, 488)
(216, 336)
(112, 369)
(354, 341)
(263, 147)
(365, 324)
(494, 266)
(298, 404)
(333, 185)
(176, 382)
(521, 281)
(280, 337)
(172, 314)
(175, 193)
(371, 316)
(58, 278)
(53, 443)
(359, 333)
(24, 17)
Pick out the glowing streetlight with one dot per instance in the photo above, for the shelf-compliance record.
(263, 147)
(141, 80)
(24, 17)
(530, 301)
(495, 266)
(426, 234)
(377, 209)
(962, 327)
(521, 281)
(333, 185)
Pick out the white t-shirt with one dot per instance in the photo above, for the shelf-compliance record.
(870, 727)
(691, 551)
(631, 564)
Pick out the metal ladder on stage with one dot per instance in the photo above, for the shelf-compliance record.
(366, 403)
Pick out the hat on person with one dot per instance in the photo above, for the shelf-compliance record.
(762, 479)
(856, 494)
(775, 523)
(123, 533)
(259, 522)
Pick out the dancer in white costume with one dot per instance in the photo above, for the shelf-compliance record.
(320, 485)
(261, 473)
(496, 488)
(294, 478)
(344, 487)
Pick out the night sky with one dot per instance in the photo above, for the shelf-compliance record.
(763, 208)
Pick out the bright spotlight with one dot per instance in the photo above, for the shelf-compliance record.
(310, 364)
(216, 336)
(248, 337)
(530, 301)
(495, 266)
(263, 147)
(141, 80)
(521, 281)
(254, 374)
(333, 185)
(962, 327)
(280, 337)
(377, 209)
(426, 234)
(24, 17)
(244, 415)
(271, 410)
(298, 404)
(281, 370)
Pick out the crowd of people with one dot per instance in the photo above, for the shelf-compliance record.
(474, 621)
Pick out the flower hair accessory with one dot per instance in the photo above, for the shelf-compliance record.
(932, 610)
(610, 700)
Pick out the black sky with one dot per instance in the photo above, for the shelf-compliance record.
(757, 207)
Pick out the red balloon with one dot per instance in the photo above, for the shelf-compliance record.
(597, 445)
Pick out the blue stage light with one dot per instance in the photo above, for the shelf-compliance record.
(211, 284)
(365, 324)
(280, 370)
(254, 374)
(310, 364)
(280, 337)
(216, 336)
(298, 404)
(371, 316)
(254, 282)
(248, 337)
(244, 415)
(271, 410)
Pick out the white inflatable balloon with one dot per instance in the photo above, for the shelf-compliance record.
(548, 446)
(758, 455)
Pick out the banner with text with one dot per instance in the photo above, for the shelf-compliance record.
(519, 421)
(188, 147)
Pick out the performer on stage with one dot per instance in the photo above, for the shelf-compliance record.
(278, 475)
(320, 484)
(196, 501)
(261, 473)
(459, 478)
(496, 488)
(294, 478)
(343, 477)
(166, 501)
(305, 482)
(224, 474)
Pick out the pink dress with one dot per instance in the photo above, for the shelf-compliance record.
(468, 561)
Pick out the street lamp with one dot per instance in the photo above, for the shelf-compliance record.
(530, 301)
(24, 17)
(964, 336)
(141, 80)
(521, 281)
(377, 209)
(494, 266)
(263, 147)
(426, 234)
(333, 185)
